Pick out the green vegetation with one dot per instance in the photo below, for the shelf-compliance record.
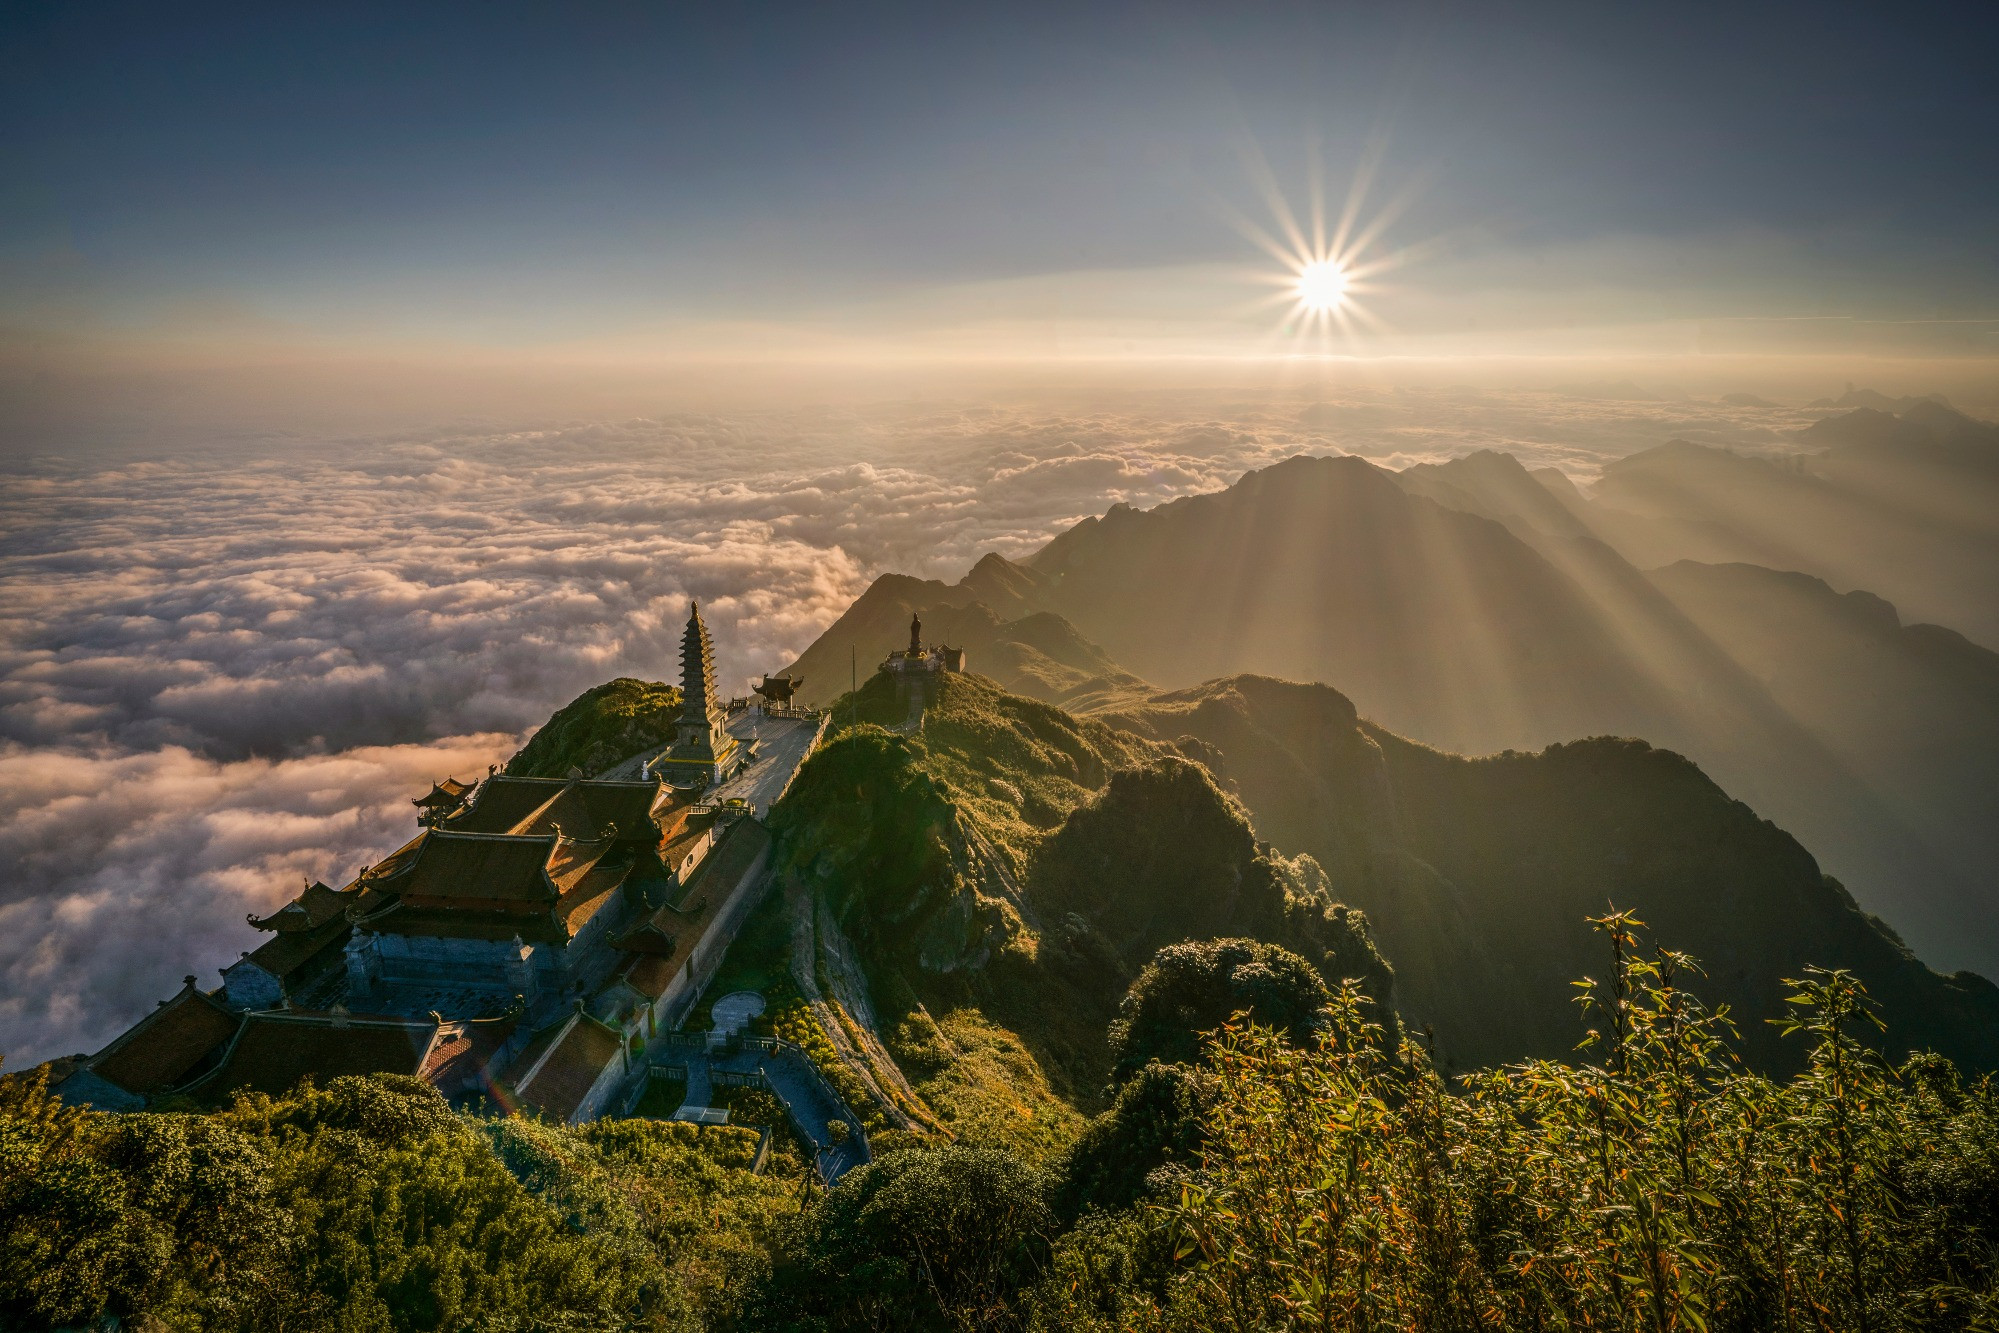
(924, 1239)
(368, 1204)
(1663, 1188)
(1314, 1182)
(1189, 990)
(984, 1083)
(1016, 866)
(599, 728)
(1164, 1084)
(1476, 874)
(662, 1097)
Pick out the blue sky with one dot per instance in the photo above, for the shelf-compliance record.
(524, 174)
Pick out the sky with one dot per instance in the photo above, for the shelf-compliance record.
(374, 380)
(1002, 180)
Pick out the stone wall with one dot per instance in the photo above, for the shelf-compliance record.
(679, 997)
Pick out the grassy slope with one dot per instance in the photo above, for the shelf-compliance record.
(1007, 870)
(599, 728)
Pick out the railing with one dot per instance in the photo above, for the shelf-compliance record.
(857, 1137)
(856, 1145)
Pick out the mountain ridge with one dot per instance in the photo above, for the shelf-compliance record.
(1520, 628)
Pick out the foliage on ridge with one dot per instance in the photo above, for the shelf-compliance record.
(598, 728)
(1008, 868)
(1476, 873)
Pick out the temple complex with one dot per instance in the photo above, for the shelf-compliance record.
(916, 668)
(522, 947)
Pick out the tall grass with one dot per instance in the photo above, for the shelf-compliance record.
(1657, 1186)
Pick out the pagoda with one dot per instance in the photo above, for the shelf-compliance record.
(703, 751)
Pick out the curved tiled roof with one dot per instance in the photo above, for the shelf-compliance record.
(557, 1075)
(503, 802)
(581, 807)
(169, 1045)
(478, 869)
(273, 1051)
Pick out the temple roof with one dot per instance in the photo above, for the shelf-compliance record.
(497, 886)
(395, 863)
(289, 950)
(582, 807)
(443, 795)
(316, 906)
(661, 944)
(594, 809)
(274, 1050)
(479, 869)
(558, 1070)
(461, 1058)
(167, 1046)
(503, 802)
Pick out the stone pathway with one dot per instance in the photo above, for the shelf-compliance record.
(700, 1089)
(806, 1096)
(734, 1011)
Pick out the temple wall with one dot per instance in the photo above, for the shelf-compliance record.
(589, 958)
(611, 1088)
(670, 1009)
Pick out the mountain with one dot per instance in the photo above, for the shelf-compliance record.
(1910, 712)
(1472, 605)
(1905, 506)
(1102, 835)
(598, 728)
(1477, 874)
(1015, 860)
(1439, 623)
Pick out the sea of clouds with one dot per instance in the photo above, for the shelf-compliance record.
(226, 670)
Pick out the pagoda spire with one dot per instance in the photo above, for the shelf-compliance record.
(703, 749)
(698, 703)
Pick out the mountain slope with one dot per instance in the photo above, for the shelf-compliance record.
(1876, 743)
(992, 613)
(1014, 860)
(1474, 605)
(1906, 507)
(1477, 873)
(1439, 623)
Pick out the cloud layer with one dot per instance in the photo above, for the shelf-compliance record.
(227, 669)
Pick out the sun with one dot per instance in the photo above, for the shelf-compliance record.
(1329, 263)
(1322, 286)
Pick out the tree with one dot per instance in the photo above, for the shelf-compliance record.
(1188, 991)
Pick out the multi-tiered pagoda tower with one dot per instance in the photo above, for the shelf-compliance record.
(703, 750)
